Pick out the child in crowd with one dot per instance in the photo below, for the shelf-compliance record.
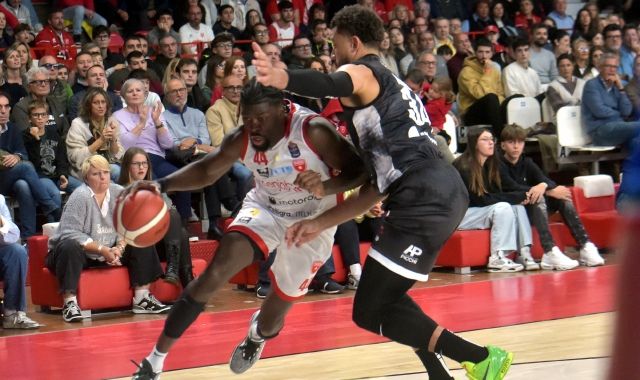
(547, 198)
(63, 73)
(440, 98)
(445, 52)
(492, 33)
(97, 59)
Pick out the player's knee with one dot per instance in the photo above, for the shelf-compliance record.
(182, 315)
(363, 318)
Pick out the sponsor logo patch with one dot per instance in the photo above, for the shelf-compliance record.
(315, 266)
(263, 172)
(293, 149)
(244, 220)
(300, 165)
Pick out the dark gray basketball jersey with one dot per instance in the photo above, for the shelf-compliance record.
(392, 133)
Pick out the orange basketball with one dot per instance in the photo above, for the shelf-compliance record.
(141, 218)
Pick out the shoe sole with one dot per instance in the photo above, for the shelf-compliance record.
(504, 270)
(74, 319)
(20, 327)
(557, 267)
(145, 311)
(237, 352)
(504, 368)
(588, 264)
(172, 281)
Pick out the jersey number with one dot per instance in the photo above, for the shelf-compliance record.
(417, 112)
(260, 158)
(304, 285)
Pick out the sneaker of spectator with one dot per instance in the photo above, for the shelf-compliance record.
(326, 284)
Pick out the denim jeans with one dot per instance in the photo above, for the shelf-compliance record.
(76, 15)
(539, 217)
(32, 13)
(22, 182)
(13, 273)
(161, 169)
(500, 218)
(53, 189)
(115, 172)
(615, 133)
(242, 175)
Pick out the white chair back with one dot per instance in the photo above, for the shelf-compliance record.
(547, 111)
(569, 127)
(450, 127)
(523, 111)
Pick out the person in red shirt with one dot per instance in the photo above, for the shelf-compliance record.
(59, 43)
(526, 19)
(273, 12)
(492, 33)
(439, 100)
(283, 30)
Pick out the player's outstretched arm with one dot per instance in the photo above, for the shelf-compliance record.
(357, 204)
(337, 153)
(198, 174)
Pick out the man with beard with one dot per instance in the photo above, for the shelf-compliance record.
(542, 60)
(463, 50)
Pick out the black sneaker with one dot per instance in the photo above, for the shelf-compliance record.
(327, 285)
(145, 371)
(247, 352)
(150, 305)
(262, 289)
(71, 312)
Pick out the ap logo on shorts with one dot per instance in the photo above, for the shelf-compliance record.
(411, 254)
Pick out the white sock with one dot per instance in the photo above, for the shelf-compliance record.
(156, 358)
(253, 333)
(72, 298)
(356, 270)
(140, 294)
(8, 313)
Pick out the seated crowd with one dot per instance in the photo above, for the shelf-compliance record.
(87, 119)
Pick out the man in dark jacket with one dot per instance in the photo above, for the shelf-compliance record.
(546, 198)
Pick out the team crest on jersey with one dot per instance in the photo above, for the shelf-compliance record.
(263, 172)
(315, 266)
(293, 149)
(260, 158)
(300, 165)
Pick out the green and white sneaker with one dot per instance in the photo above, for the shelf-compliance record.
(494, 367)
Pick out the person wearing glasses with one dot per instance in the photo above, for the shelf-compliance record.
(249, 21)
(222, 45)
(39, 89)
(225, 24)
(580, 54)
(605, 106)
(301, 49)
(494, 202)
(260, 35)
(59, 89)
(102, 38)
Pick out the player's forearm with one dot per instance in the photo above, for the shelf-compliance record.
(346, 180)
(193, 177)
(314, 84)
(357, 204)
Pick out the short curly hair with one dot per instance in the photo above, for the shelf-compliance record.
(356, 20)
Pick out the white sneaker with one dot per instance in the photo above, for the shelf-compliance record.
(499, 263)
(193, 217)
(524, 258)
(557, 260)
(590, 256)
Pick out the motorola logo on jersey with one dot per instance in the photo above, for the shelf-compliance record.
(410, 254)
(292, 202)
(263, 172)
(278, 212)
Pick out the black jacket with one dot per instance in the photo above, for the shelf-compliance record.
(525, 172)
(509, 191)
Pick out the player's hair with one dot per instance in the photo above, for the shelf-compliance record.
(513, 132)
(35, 104)
(127, 159)
(255, 93)
(469, 161)
(416, 76)
(98, 162)
(356, 20)
(445, 86)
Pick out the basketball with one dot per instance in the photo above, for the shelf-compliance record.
(141, 218)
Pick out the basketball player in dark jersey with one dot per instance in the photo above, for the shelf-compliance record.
(424, 197)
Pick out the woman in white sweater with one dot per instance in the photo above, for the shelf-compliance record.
(387, 56)
(566, 89)
(94, 131)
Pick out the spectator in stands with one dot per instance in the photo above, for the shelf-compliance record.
(321, 44)
(633, 88)
(26, 60)
(174, 246)
(518, 77)
(463, 50)
(260, 34)
(63, 75)
(561, 43)
(135, 60)
(426, 63)
(14, 81)
(87, 238)
(225, 24)
(445, 52)
(251, 19)
(47, 152)
(526, 19)
(102, 38)
(94, 131)
(194, 30)
(595, 39)
(492, 33)
(137, 16)
(168, 51)
(151, 98)
(187, 70)
(442, 34)
(447, 9)
(580, 54)
(605, 105)
(144, 48)
(400, 13)
(58, 88)
(480, 91)
(503, 22)
(272, 51)
(6, 39)
(234, 66)
(39, 89)
(215, 75)
(612, 35)
(20, 11)
(559, 15)
(301, 48)
(387, 55)
(595, 53)
(440, 97)
(222, 117)
(422, 9)
(244, 8)
(542, 60)
(566, 89)
(23, 33)
(420, 25)
(547, 198)
(163, 29)
(84, 61)
(583, 25)
(400, 49)
(317, 11)
(613, 19)
(480, 18)
(78, 11)
(56, 39)
(628, 50)
(95, 79)
(283, 29)
(495, 202)
(14, 259)
(222, 45)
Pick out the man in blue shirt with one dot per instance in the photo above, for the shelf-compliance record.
(563, 20)
(628, 51)
(605, 105)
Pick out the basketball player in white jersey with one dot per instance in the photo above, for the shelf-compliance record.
(294, 155)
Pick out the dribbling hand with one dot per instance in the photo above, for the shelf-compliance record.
(302, 232)
(269, 75)
(140, 185)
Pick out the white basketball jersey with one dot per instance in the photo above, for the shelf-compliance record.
(276, 169)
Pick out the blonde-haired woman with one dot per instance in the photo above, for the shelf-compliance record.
(171, 73)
